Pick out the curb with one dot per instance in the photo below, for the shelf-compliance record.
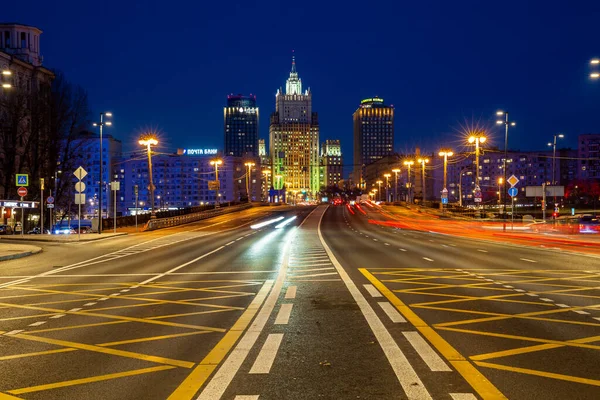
(21, 255)
(35, 239)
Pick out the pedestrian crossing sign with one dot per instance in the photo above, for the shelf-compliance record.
(22, 180)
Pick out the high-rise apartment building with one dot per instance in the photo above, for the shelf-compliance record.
(373, 135)
(589, 156)
(294, 139)
(331, 163)
(241, 126)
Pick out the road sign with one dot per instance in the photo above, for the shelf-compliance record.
(214, 185)
(22, 180)
(18, 204)
(445, 191)
(79, 187)
(513, 180)
(80, 173)
(51, 205)
(80, 198)
(513, 191)
(22, 191)
(115, 185)
(444, 200)
(42, 183)
(50, 200)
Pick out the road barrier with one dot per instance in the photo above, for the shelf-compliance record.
(160, 223)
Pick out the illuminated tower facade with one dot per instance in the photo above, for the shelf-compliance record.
(294, 139)
(331, 163)
(373, 135)
(241, 126)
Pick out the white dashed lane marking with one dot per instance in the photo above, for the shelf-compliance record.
(427, 259)
(266, 356)
(391, 312)
(431, 358)
(290, 293)
(372, 291)
(528, 260)
(283, 316)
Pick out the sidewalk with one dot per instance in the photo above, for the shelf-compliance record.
(85, 237)
(10, 251)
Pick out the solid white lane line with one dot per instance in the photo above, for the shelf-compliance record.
(266, 356)
(463, 396)
(528, 260)
(372, 291)
(38, 323)
(246, 397)
(57, 316)
(405, 373)
(428, 259)
(283, 316)
(581, 312)
(290, 293)
(431, 358)
(545, 299)
(391, 312)
(14, 332)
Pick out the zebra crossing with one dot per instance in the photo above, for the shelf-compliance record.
(311, 263)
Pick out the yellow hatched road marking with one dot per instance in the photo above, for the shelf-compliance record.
(89, 380)
(4, 396)
(476, 379)
(188, 388)
(35, 354)
(551, 375)
(499, 298)
(114, 352)
(530, 349)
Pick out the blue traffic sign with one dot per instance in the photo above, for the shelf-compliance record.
(444, 200)
(22, 180)
(513, 191)
(50, 200)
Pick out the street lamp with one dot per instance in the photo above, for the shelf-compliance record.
(379, 182)
(408, 163)
(216, 163)
(553, 145)
(387, 185)
(100, 125)
(595, 62)
(478, 139)
(249, 165)
(445, 154)
(423, 161)
(506, 125)
(500, 182)
(149, 141)
(396, 171)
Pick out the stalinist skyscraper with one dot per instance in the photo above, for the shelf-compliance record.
(294, 139)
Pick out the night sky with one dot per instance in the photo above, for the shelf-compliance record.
(169, 65)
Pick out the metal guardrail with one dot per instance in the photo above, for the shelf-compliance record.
(160, 223)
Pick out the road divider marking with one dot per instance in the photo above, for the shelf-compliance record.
(531, 294)
(405, 373)
(427, 259)
(545, 299)
(563, 305)
(391, 312)
(476, 379)
(267, 354)
(14, 332)
(38, 323)
(75, 309)
(519, 290)
(581, 312)
(283, 316)
(372, 291)
(89, 304)
(290, 293)
(103, 299)
(57, 316)
(528, 260)
(429, 356)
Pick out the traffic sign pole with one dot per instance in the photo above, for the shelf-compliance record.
(22, 219)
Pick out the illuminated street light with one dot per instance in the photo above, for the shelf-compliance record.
(379, 182)
(506, 125)
(595, 61)
(396, 171)
(249, 165)
(100, 125)
(423, 161)
(387, 185)
(216, 163)
(445, 154)
(408, 164)
(149, 141)
(477, 139)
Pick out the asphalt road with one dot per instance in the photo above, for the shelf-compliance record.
(329, 306)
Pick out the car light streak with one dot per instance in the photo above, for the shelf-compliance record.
(269, 222)
(284, 223)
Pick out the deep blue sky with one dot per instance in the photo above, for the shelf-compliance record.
(168, 65)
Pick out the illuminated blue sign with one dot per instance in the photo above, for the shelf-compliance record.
(199, 152)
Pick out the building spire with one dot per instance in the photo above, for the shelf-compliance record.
(293, 62)
(293, 84)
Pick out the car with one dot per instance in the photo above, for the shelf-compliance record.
(6, 230)
(37, 230)
(589, 224)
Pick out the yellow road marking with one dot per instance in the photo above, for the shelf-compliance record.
(105, 350)
(188, 314)
(530, 349)
(475, 378)
(4, 396)
(523, 338)
(194, 381)
(37, 353)
(153, 338)
(540, 373)
(66, 328)
(89, 380)
(499, 298)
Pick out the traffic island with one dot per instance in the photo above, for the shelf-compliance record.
(11, 251)
(86, 237)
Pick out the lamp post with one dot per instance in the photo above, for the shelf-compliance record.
(445, 154)
(149, 141)
(553, 144)
(249, 165)
(216, 163)
(100, 125)
(506, 125)
(500, 182)
(379, 182)
(396, 171)
(423, 161)
(479, 139)
(408, 164)
(387, 185)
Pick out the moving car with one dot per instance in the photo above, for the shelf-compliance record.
(6, 230)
